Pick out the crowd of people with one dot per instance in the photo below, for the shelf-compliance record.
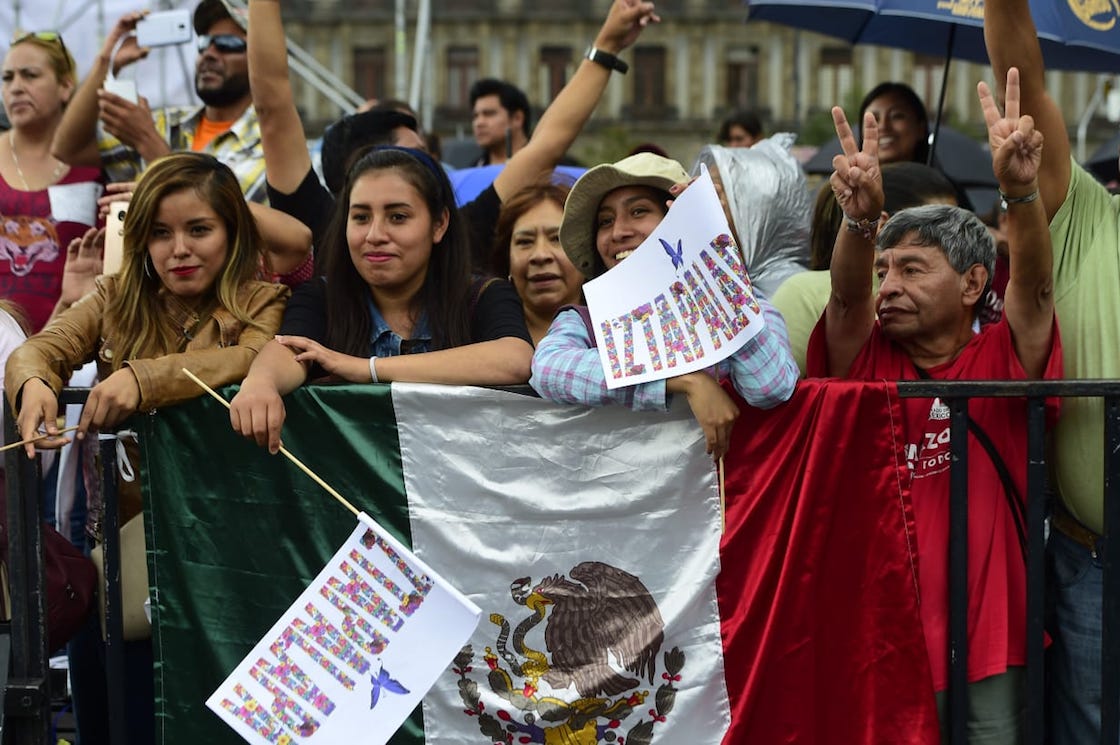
(241, 261)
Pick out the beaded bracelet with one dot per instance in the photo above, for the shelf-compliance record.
(865, 227)
(1006, 200)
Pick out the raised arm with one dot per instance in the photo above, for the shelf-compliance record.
(286, 159)
(858, 186)
(1016, 154)
(563, 120)
(75, 140)
(1012, 39)
(287, 241)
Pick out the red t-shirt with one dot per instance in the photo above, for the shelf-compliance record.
(996, 572)
(33, 247)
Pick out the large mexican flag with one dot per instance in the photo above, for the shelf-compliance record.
(616, 606)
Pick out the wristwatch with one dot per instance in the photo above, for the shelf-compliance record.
(607, 60)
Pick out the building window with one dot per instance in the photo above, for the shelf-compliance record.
(649, 79)
(834, 76)
(742, 78)
(555, 62)
(928, 71)
(462, 71)
(370, 72)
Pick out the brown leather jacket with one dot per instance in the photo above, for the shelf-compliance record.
(218, 349)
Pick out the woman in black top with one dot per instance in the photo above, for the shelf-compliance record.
(397, 302)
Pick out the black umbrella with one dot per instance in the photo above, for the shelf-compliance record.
(1073, 35)
(964, 160)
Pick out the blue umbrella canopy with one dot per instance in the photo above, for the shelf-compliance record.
(468, 183)
(1075, 34)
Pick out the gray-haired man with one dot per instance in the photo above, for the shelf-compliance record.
(934, 265)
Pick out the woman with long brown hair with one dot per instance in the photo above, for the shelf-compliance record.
(396, 303)
(185, 297)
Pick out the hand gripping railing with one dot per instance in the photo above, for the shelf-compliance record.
(27, 695)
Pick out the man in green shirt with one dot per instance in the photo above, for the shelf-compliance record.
(1085, 231)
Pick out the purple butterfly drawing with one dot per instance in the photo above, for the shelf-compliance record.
(675, 254)
(383, 681)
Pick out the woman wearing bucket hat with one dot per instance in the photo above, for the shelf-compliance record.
(613, 208)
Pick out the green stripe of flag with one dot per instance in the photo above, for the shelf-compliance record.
(236, 534)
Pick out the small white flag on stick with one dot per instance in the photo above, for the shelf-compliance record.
(353, 656)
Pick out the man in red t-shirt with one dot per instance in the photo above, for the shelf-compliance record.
(935, 264)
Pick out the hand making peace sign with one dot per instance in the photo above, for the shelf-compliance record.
(1016, 144)
(857, 181)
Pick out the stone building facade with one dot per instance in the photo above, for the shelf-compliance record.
(700, 62)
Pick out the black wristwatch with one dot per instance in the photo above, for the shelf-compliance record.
(607, 60)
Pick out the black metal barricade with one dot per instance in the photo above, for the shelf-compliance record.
(27, 696)
(956, 395)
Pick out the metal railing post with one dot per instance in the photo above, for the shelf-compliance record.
(1037, 391)
(27, 701)
(1035, 725)
(1110, 560)
(958, 572)
(114, 616)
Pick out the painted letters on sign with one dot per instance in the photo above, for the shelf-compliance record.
(355, 653)
(681, 302)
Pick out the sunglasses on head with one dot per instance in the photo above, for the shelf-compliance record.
(225, 43)
(51, 37)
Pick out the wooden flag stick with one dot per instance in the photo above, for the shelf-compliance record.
(298, 463)
(722, 500)
(21, 443)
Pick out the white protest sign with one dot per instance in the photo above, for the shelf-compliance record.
(75, 202)
(353, 656)
(681, 302)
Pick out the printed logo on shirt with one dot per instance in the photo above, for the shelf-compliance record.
(27, 240)
(931, 456)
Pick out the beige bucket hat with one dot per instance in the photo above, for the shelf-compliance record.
(577, 230)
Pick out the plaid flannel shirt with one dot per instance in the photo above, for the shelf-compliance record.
(239, 147)
(566, 368)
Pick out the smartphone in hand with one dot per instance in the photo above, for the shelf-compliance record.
(164, 28)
